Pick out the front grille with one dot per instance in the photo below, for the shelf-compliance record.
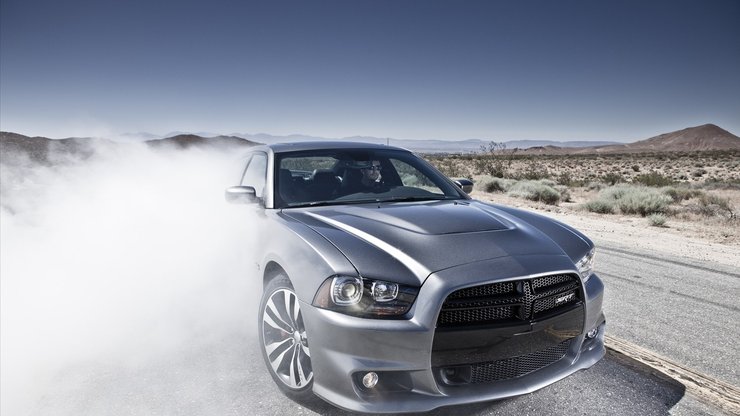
(517, 366)
(484, 314)
(520, 300)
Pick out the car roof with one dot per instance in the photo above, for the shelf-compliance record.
(328, 145)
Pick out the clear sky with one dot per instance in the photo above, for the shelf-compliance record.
(498, 70)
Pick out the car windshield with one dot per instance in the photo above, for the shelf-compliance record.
(334, 177)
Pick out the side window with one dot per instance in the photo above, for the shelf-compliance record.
(410, 176)
(256, 173)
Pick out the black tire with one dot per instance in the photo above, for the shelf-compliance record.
(283, 339)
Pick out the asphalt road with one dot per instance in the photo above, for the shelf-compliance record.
(228, 378)
(683, 310)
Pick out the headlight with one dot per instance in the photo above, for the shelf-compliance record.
(346, 290)
(586, 265)
(367, 298)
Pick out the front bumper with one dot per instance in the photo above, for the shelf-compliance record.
(344, 348)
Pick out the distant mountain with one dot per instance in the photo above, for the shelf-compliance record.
(700, 138)
(692, 139)
(193, 140)
(705, 137)
(50, 151)
(43, 150)
(421, 145)
(475, 145)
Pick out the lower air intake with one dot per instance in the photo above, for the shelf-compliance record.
(518, 366)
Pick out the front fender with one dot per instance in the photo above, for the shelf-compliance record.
(306, 256)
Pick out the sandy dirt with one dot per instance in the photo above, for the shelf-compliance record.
(716, 242)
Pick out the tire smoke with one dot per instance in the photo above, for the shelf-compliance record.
(118, 273)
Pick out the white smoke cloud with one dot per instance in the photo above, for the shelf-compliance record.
(114, 263)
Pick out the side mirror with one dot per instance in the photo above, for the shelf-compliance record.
(241, 195)
(465, 184)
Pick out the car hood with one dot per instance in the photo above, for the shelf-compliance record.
(406, 242)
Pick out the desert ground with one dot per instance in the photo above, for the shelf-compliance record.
(684, 203)
(705, 240)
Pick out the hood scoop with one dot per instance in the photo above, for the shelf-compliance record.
(434, 218)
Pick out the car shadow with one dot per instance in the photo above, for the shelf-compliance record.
(615, 385)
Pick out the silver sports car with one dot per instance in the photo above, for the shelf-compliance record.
(388, 289)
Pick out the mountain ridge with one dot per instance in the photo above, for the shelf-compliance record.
(707, 137)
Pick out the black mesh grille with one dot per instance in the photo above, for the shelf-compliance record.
(476, 315)
(484, 290)
(518, 366)
(551, 280)
(520, 300)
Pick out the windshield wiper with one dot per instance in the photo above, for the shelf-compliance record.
(332, 202)
(415, 198)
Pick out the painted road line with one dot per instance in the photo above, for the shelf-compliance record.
(707, 389)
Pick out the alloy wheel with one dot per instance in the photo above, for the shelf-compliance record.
(284, 339)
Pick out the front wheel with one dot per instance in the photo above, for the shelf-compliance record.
(283, 339)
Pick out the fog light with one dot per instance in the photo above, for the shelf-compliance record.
(592, 333)
(370, 380)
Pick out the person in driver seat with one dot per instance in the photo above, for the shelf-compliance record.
(369, 178)
(371, 174)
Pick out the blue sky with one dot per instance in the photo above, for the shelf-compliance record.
(494, 70)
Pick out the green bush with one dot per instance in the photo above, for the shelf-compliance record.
(643, 201)
(566, 179)
(535, 191)
(611, 178)
(534, 172)
(679, 194)
(731, 183)
(601, 206)
(631, 199)
(595, 186)
(491, 184)
(653, 179)
(564, 192)
(711, 205)
(614, 193)
(657, 220)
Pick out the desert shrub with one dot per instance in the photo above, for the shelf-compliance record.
(492, 184)
(564, 192)
(548, 182)
(595, 186)
(566, 178)
(644, 202)
(611, 178)
(657, 220)
(652, 179)
(535, 191)
(731, 183)
(494, 160)
(448, 168)
(715, 205)
(601, 206)
(679, 194)
(712, 199)
(631, 199)
(534, 172)
(614, 193)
